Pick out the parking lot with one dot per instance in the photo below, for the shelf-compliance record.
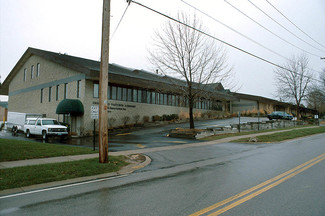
(136, 138)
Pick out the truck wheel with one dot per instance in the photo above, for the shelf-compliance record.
(27, 133)
(44, 135)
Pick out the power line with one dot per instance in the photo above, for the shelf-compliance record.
(283, 26)
(241, 34)
(293, 23)
(120, 20)
(268, 29)
(222, 41)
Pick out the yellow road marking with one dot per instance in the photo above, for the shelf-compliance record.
(277, 180)
(123, 134)
(140, 146)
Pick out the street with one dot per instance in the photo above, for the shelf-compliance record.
(201, 180)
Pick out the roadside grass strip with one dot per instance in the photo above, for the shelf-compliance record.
(38, 174)
(249, 194)
(11, 150)
(221, 136)
(281, 136)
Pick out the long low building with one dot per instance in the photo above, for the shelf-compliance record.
(67, 87)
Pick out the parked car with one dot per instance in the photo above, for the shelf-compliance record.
(45, 127)
(279, 115)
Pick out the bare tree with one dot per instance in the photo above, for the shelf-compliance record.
(316, 94)
(184, 53)
(292, 84)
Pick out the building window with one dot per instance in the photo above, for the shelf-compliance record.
(25, 74)
(153, 98)
(139, 95)
(57, 93)
(96, 90)
(65, 90)
(135, 95)
(78, 88)
(32, 72)
(109, 92)
(144, 96)
(129, 95)
(50, 93)
(41, 95)
(114, 92)
(38, 67)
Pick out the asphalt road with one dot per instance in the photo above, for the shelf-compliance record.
(186, 181)
(140, 138)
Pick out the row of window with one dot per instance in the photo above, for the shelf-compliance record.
(65, 93)
(153, 97)
(32, 72)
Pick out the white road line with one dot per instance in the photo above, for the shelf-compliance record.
(60, 187)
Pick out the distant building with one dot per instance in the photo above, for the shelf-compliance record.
(248, 102)
(66, 87)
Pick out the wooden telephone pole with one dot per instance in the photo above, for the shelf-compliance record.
(103, 84)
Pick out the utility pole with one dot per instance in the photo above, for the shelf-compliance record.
(103, 84)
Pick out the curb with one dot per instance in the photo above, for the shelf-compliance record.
(132, 167)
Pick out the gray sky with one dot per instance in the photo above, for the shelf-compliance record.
(74, 27)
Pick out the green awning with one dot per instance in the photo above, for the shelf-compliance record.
(70, 106)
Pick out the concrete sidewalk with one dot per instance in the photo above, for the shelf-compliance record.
(30, 162)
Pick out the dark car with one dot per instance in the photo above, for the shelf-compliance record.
(279, 115)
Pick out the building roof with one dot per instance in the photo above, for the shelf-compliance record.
(117, 74)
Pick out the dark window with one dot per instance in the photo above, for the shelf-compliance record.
(50, 93)
(41, 95)
(149, 97)
(25, 74)
(65, 90)
(32, 72)
(78, 88)
(96, 90)
(57, 93)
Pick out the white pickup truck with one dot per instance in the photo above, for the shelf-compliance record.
(45, 127)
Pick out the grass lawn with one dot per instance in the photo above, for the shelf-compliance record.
(30, 175)
(221, 136)
(11, 150)
(277, 137)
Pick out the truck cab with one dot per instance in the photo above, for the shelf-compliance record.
(45, 127)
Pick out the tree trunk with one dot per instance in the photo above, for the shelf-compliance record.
(191, 118)
(191, 105)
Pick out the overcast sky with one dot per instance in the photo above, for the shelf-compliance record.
(74, 27)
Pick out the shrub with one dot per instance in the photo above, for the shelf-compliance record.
(125, 120)
(111, 122)
(156, 118)
(136, 119)
(170, 117)
(146, 119)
